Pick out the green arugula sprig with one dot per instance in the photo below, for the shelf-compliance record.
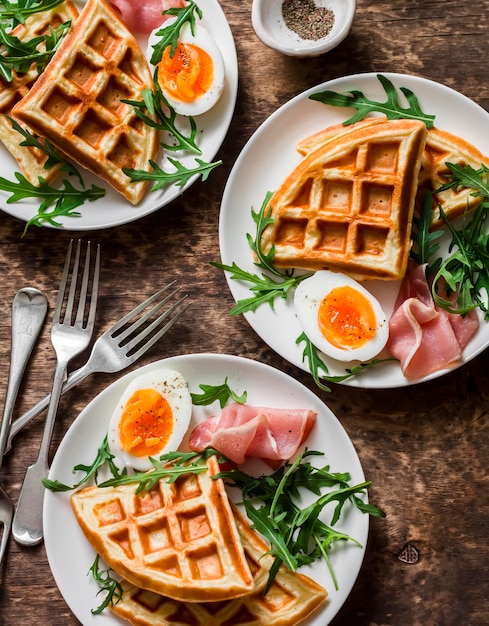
(20, 55)
(316, 365)
(465, 272)
(102, 458)
(264, 287)
(19, 11)
(169, 34)
(155, 111)
(180, 176)
(56, 202)
(298, 536)
(54, 157)
(425, 245)
(213, 393)
(169, 467)
(391, 107)
(108, 584)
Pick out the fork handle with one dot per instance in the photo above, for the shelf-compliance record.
(75, 378)
(27, 522)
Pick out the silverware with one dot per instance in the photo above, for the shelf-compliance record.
(120, 346)
(69, 338)
(29, 309)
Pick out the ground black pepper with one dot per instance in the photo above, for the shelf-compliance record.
(306, 19)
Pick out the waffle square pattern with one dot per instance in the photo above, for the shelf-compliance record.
(348, 205)
(77, 101)
(179, 540)
(31, 160)
(291, 598)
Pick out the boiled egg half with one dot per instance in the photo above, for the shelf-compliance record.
(192, 79)
(340, 317)
(151, 418)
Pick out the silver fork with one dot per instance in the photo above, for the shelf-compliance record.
(69, 337)
(120, 346)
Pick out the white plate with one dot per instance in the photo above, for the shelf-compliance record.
(270, 155)
(113, 209)
(69, 554)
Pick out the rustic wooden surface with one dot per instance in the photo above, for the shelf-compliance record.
(424, 447)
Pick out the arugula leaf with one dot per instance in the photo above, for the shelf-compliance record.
(169, 34)
(170, 466)
(155, 103)
(425, 245)
(264, 288)
(107, 583)
(45, 146)
(104, 456)
(20, 55)
(316, 364)
(391, 108)
(222, 393)
(18, 12)
(465, 273)
(298, 536)
(179, 177)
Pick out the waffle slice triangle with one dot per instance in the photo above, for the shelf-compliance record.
(348, 205)
(32, 161)
(77, 101)
(179, 540)
(441, 148)
(291, 599)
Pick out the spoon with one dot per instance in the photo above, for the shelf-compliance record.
(29, 310)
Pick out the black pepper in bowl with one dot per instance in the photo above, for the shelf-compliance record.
(306, 19)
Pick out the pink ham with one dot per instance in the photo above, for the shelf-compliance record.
(423, 337)
(145, 16)
(243, 431)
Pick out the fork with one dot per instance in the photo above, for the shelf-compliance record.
(120, 346)
(69, 338)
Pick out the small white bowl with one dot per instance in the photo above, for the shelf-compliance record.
(268, 23)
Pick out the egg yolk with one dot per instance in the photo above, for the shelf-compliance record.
(146, 423)
(186, 75)
(346, 318)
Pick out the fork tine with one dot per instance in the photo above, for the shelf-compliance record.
(148, 344)
(140, 307)
(62, 286)
(74, 276)
(144, 318)
(95, 283)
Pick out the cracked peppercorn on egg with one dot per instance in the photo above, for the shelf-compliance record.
(151, 418)
(192, 78)
(340, 317)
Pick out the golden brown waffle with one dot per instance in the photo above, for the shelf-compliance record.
(442, 148)
(30, 160)
(180, 540)
(291, 599)
(76, 102)
(348, 205)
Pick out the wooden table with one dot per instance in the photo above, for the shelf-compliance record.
(424, 447)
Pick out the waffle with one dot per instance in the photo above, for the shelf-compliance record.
(348, 205)
(31, 160)
(179, 540)
(76, 102)
(441, 148)
(291, 599)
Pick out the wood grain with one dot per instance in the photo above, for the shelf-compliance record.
(423, 447)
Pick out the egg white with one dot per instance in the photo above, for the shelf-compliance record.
(200, 37)
(307, 299)
(173, 386)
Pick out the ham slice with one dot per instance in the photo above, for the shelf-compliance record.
(422, 336)
(145, 16)
(243, 431)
